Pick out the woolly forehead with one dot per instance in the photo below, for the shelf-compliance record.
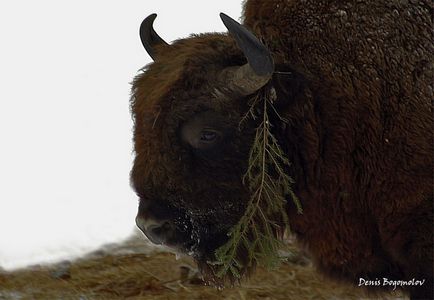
(182, 81)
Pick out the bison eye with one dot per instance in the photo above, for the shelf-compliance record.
(206, 139)
(205, 131)
(209, 136)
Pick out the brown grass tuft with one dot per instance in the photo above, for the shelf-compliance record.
(160, 276)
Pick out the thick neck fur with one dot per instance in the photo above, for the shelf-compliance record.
(360, 127)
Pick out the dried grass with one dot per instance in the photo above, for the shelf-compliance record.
(161, 276)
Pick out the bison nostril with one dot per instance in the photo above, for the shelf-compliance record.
(160, 232)
(157, 232)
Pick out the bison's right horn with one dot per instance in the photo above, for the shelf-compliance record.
(247, 79)
(149, 37)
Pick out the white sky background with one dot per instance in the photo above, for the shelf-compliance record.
(65, 126)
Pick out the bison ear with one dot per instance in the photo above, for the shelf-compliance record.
(149, 37)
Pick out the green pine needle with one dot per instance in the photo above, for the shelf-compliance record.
(269, 183)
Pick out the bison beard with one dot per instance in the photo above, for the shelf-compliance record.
(353, 79)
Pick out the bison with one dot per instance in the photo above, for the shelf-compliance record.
(353, 90)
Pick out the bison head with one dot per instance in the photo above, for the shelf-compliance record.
(191, 148)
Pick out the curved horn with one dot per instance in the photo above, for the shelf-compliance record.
(249, 78)
(149, 37)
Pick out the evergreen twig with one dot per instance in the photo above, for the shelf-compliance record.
(258, 232)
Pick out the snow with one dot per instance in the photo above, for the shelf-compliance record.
(65, 126)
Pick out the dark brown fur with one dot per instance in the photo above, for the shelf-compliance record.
(360, 133)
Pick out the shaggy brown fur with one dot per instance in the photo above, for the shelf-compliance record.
(360, 134)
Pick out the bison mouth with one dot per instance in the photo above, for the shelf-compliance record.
(195, 232)
(204, 251)
(193, 237)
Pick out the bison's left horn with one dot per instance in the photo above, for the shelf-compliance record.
(247, 79)
(149, 37)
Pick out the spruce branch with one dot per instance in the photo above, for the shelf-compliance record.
(265, 217)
